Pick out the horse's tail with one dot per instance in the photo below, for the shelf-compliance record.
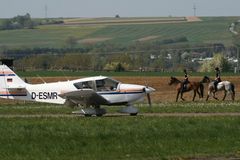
(233, 91)
(201, 89)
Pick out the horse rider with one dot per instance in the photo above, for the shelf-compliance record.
(185, 81)
(217, 78)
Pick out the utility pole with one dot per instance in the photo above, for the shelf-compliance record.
(46, 10)
(194, 10)
(235, 39)
(237, 70)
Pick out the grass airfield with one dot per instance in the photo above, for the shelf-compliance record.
(43, 131)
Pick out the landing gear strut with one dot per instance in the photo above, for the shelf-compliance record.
(88, 112)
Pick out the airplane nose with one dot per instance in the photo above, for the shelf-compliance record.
(149, 90)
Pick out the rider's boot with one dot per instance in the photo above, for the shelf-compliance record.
(183, 88)
(215, 88)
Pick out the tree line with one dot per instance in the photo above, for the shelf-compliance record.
(137, 57)
(121, 62)
(25, 21)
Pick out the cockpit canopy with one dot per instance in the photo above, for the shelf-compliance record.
(101, 84)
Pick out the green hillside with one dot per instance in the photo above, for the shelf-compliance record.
(197, 32)
(210, 30)
(43, 36)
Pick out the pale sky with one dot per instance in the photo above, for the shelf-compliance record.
(125, 8)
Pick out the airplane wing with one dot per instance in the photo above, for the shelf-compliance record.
(85, 97)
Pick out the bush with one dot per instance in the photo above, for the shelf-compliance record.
(18, 22)
(217, 61)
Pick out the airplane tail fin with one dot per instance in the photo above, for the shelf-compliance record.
(9, 79)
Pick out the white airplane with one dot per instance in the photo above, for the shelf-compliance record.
(88, 92)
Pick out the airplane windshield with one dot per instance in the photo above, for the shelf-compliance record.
(106, 85)
(84, 85)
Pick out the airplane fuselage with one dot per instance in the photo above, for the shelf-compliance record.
(49, 93)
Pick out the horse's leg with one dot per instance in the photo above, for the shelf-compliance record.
(225, 93)
(209, 92)
(201, 87)
(194, 95)
(177, 96)
(214, 95)
(233, 92)
(233, 95)
(199, 94)
(182, 96)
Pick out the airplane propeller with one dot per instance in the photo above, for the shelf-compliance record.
(149, 100)
(148, 90)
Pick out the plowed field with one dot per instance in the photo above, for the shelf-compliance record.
(164, 92)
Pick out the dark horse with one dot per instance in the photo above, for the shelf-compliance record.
(195, 86)
(225, 86)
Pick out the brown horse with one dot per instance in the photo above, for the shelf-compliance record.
(195, 86)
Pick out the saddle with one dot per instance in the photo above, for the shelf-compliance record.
(184, 87)
(215, 83)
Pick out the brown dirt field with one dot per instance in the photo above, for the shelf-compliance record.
(164, 92)
(193, 19)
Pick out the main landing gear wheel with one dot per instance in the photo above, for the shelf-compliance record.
(132, 111)
(133, 114)
(100, 112)
(88, 115)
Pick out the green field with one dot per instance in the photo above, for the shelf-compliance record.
(43, 36)
(29, 108)
(119, 137)
(210, 30)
